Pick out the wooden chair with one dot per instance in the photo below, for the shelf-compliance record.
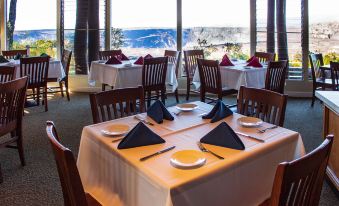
(275, 76)
(154, 73)
(72, 188)
(7, 73)
(12, 99)
(191, 65)
(335, 74)
(210, 80)
(174, 58)
(10, 54)
(265, 57)
(264, 104)
(106, 55)
(36, 68)
(300, 181)
(108, 104)
(319, 75)
(66, 62)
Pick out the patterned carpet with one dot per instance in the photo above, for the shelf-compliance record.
(38, 182)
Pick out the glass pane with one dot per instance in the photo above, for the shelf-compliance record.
(261, 25)
(144, 27)
(217, 26)
(35, 27)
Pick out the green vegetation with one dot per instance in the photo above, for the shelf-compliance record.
(38, 47)
(117, 38)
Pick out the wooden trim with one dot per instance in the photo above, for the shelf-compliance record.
(108, 24)
(179, 35)
(253, 26)
(305, 37)
(3, 20)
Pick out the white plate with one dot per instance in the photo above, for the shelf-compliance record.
(188, 159)
(186, 107)
(102, 61)
(115, 130)
(250, 121)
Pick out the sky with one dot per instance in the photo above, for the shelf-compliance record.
(162, 13)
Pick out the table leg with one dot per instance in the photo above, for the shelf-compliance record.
(1, 180)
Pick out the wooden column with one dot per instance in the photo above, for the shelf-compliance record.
(253, 26)
(3, 20)
(60, 27)
(281, 30)
(108, 24)
(179, 32)
(304, 37)
(270, 41)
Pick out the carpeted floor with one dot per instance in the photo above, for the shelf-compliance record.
(38, 182)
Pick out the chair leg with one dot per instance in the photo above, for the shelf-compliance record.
(67, 92)
(202, 96)
(38, 96)
(163, 96)
(149, 99)
(61, 89)
(103, 87)
(188, 89)
(45, 98)
(21, 149)
(1, 179)
(176, 95)
(313, 98)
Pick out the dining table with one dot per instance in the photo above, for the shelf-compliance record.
(56, 71)
(244, 177)
(126, 74)
(233, 77)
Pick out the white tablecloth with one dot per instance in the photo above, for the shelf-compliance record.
(55, 69)
(232, 77)
(117, 177)
(122, 76)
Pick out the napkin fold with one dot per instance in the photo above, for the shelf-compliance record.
(250, 59)
(158, 112)
(139, 61)
(3, 59)
(219, 111)
(148, 56)
(113, 60)
(17, 56)
(139, 136)
(254, 62)
(124, 57)
(226, 61)
(223, 136)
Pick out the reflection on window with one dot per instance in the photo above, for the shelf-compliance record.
(144, 27)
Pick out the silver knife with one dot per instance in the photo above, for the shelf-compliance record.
(249, 136)
(157, 153)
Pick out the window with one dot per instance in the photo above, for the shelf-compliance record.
(217, 26)
(35, 27)
(144, 27)
(261, 25)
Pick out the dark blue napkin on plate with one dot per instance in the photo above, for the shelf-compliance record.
(219, 111)
(3, 59)
(158, 112)
(139, 136)
(224, 136)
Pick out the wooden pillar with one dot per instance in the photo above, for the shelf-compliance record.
(270, 35)
(304, 37)
(3, 20)
(253, 26)
(281, 30)
(179, 32)
(108, 24)
(60, 27)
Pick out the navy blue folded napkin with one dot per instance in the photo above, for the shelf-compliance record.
(17, 56)
(219, 111)
(223, 136)
(139, 136)
(158, 112)
(3, 59)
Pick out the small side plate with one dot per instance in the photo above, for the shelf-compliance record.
(186, 107)
(115, 130)
(250, 121)
(188, 159)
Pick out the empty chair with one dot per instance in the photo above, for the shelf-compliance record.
(36, 68)
(12, 99)
(72, 188)
(154, 73)
(7, 73)
(300, 181)
(319, 75)
(265, 57)
(66, 62)
(174, 58)
(335, 74)
(210, 80)
(264, 104)
(106, 55)
(116, 103)
(10, 54)
(275, 76)
(191, 64)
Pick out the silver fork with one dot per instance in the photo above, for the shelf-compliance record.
(268, 128)
(203, 149)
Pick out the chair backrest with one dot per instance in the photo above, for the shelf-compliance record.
(12, 100)
(66, 60)
(72, 188)
(264, 104)
(335, 74)
(316, 61)
(275, 76)
(174, 58)
(36, 68)
(7, 73)
(300, 182)
(265, 57)
(191, 62)
(106, 55)
(10, 54)
(154, 74)
(116, 103)
(210, 77)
